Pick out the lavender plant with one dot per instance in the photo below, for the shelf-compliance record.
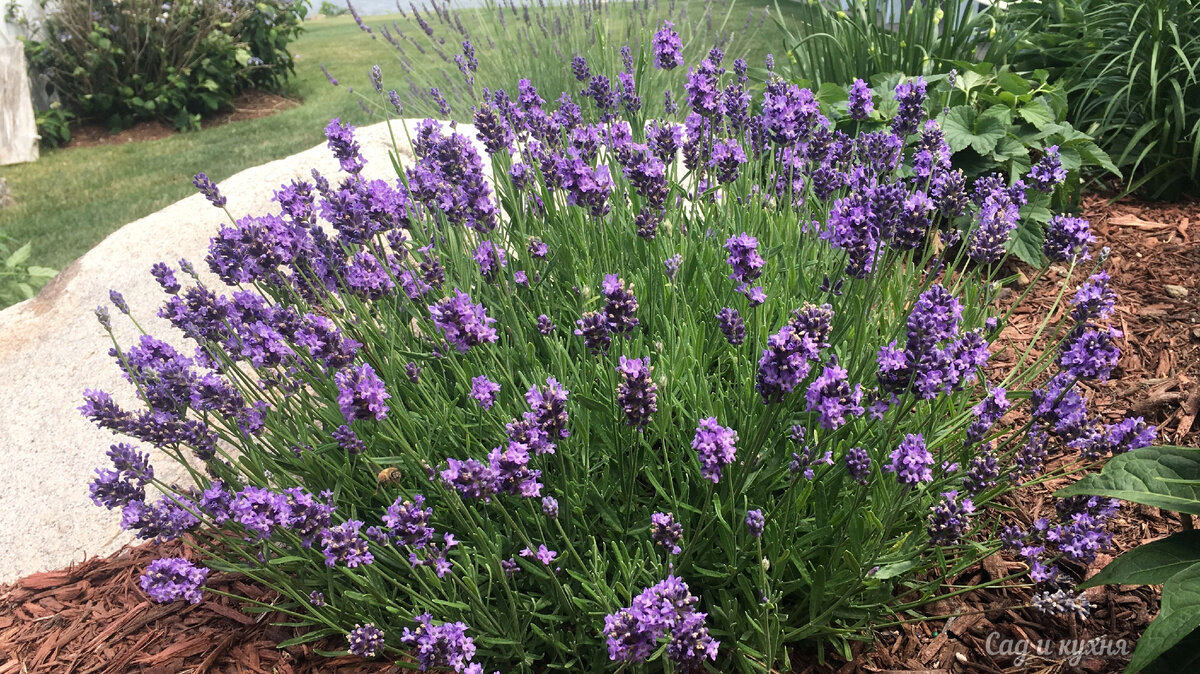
(661, 396)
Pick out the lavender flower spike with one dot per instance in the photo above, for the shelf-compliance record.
(209, 189)
(716, 447)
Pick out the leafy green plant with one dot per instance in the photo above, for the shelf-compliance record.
(1130, 71)
(1167, 478)
(330, 9)
(613, 396)
(54, 125)
(128, 61)
(18, 280)
(836, 44)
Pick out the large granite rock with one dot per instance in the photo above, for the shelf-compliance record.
(51, 349)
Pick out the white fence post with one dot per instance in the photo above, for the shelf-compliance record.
(18, 129)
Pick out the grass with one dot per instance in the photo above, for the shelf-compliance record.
(70, 199)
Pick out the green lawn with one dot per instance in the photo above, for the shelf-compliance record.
(70, 199)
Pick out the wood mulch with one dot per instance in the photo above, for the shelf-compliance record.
(93, 617)
(251, 104)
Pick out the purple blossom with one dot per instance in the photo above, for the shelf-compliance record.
(542, 554)
(579, 67)
(911, 461)
(637, 394)
(911, 98)
(1089, 353)
(1094, 300)
(439, 646)
(365, 641)
(1067, 239)
(1049, 170)
(361, 393)
(464, 324)
(545, 325)
(987, 412)
(549, 408)
(949, 519)
(982, 473)
(165, 277)
(787, 359)
(171, 578)
(593, 327)
(831, 397)
(550, 506)
(345, 149)
(666, 609)
(755, 522)
(345, 544)
(209, 189)
(667, 532)
(789, 113)
(715, 446)
(621, 306)
(490, 258)
(743, 257)
(348, 440)
(727, 158)
(858, 464)
(732, 325)
(668, 47)
(672, 265)
(860, 104)
(484, 391)
(408, 521)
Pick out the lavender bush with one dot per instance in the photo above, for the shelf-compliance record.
(676, 397)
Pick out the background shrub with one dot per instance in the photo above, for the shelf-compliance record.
(1130, 72)
(123, 62)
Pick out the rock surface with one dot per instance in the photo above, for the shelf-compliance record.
(51, 349)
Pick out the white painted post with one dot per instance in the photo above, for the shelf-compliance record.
(18, 128)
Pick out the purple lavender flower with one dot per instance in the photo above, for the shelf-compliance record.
(542, 554)
(593, 327)
(666, 609)
(637, 394)
(165, 277)
(209, 189)
(755, 522)
(672, 265)
(1060, 602)
(727, 159)
(545, 325)
(171, 578)
(911, 461)
(743, 257)
(550, 506)
(1067, 239)
(982, 473)
(789, 113)
(440, 101)
(549, 408)
(998, 216)
(911, 98)
(103, 317)
(113, 489)
(668, 47)
(1130, 434)
(484, 391)
(1089, 353)
(579, 67)
(732, 325)
(345, 544)
(787, 359)
(831, 397)
(667, 532)
(361, 393)
(344, 147)
(860, 104)
(858, 464)
(1094, 300)
(316, 598)
(621, 306)
(439, 646)
(987, 412)
(366, 641)
(715, 446)
(950, 519)
(490, 258)
(1049, 170)
(118, 301)
(408, 521)
(465, 324)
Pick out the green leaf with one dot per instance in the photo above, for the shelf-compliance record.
(989, 129)
(1037, 113)
(19, 256)
(1182, 657)
(1163, 477)
(1176, 619)
(1151, 563)
(1013, 83)
(1026, 242)
(892, 570)
(959, 127)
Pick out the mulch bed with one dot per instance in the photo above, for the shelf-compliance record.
(251, 104)
(94, 618)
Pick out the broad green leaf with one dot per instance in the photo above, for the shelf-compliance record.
(1163, 477)
(1151, 563)
(1182, 657)
(989, 129)
(959, 127)
(1176, 619)
(1037, 113)
(19, 256)
(1013, 83)
(1026, 242)
(1090, 151)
